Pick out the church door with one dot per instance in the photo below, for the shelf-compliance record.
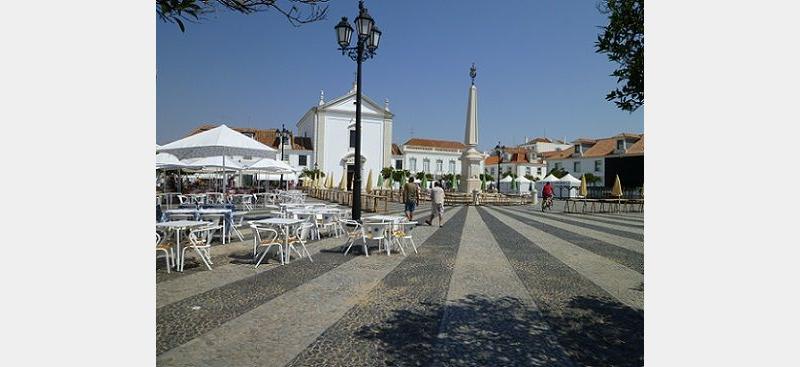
(350, 171)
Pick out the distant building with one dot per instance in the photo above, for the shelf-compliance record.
(621, 154)
(537, 146)
(519, 161)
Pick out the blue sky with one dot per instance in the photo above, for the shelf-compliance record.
(537, 70)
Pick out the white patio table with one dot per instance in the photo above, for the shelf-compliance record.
(283, 224)
(178, 226)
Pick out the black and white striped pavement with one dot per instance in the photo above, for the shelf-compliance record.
(496, 286)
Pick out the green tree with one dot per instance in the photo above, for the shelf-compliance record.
(591, 179)
(387, 172)
(487, 177)
(419, 175)
(622, 40)
(307, 172)
(532, 178)
(194, 11)
(558, 172)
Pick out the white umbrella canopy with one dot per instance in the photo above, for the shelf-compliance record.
(219, 141)
(506, 179)
(168, 161)
(271, 166)
(213, 162)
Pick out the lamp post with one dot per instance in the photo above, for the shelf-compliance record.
(284, 134)
(369, 37)
(498, 151)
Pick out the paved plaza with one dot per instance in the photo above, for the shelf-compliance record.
(496, 286)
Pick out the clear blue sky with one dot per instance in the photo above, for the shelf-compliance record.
(537, 70)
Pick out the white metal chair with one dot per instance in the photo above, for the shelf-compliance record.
(247, 202)
(265, 237)
(200, 242)
(376, 231)
(354, 234)
(310, 218)
(401, 232)
(217, 219)
(183, 199)
(167, 249)
(330, 222)
(238, 222)
(303, 231)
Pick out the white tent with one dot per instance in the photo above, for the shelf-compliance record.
(524, 185)
(549, 178)
(570, 180)
(553, 180)
(219, 141)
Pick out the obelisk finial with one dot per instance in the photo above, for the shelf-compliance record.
(473, 72)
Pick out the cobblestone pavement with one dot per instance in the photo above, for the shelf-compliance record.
(496, 286)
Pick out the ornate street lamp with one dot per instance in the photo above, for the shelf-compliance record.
(498, 151)
(368, 39)
(284, 135)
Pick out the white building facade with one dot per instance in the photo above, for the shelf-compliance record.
(330, 126)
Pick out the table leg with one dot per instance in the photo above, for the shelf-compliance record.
(179, 263)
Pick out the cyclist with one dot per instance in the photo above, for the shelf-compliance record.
(547, 196)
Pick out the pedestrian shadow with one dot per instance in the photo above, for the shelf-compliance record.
(481, 331)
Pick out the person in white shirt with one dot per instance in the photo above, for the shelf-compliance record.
(437, 203)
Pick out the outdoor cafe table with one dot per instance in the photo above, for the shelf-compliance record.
(197, 213)
(178, 226)
(284, 224)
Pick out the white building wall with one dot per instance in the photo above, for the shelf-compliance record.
(337, 143)
(433, 156)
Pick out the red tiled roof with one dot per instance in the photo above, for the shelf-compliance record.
(637, 148)
(396, 149)
(433, 143)
(559, 154)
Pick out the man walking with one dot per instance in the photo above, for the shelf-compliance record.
(437, 204)
(410, 197)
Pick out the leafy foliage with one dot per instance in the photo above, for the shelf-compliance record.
(397, 175)
(180, 11)
(532, 177)
(558, 172)
(622, 40)
(591, 179)
(486, 177)
(307, 172)
(508, 173)
(387, 172)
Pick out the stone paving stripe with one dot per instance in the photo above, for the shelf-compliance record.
(594, 327)
(490, 316)
(575, 236)
(195, 283)
(397, 322)
(597, 227)
(635, 217)
(191, 317)
(616, 279)
(602, 237)
(270, 336)
(604, 220)
(606, 225)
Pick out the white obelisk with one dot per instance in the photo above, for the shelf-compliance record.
(471, 157)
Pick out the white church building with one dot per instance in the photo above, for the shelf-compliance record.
(330, 126)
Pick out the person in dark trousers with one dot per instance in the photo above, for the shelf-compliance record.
(410, 197)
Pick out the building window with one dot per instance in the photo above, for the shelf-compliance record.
(557, 165)
(576, 166)
(302, 160)
(452, 166)
(539, 171)
(398, 164)
(527, 171)
(426, 165)
(439, 165)
(620, 144)
(492, 171)
(598, 165)
(413, 164)
(353, 138)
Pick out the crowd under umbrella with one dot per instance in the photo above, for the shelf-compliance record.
(220, 141)
(272, 167)
(166, 161)
(215, 165)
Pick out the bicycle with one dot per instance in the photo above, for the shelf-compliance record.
(547, 203)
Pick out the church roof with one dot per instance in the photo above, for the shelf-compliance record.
(267, 137)
(433, 143)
